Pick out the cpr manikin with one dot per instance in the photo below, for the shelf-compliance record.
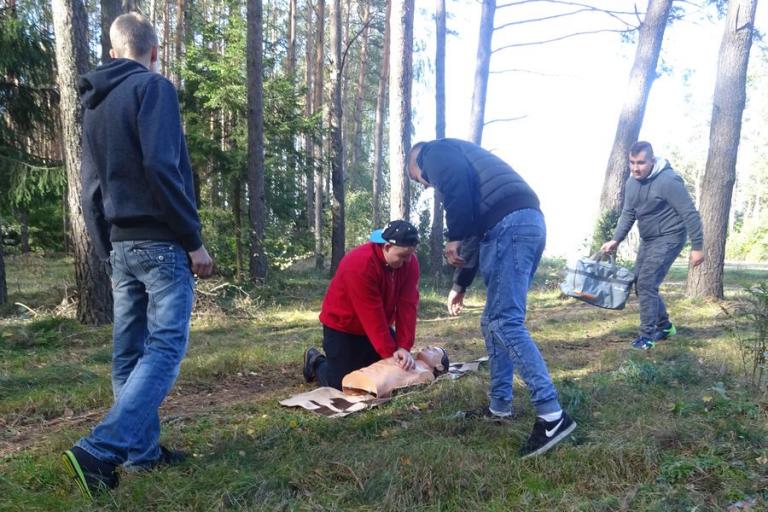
(383, 377)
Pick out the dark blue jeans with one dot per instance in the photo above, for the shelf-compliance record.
(654, 259)
(153, 290)
(509, 255)
(344, 353)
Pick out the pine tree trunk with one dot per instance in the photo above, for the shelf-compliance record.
(290, 62)
(337, 150)
(257, 203)
(436, 231)
(401, 52)
(729, 99)
(318, 107)
(3, 282)
(178, 46)
(357, 124)
(482, 67)
(24, 219)
(110, 9)
(93, 285)
(378, 129)
(308, 142)
(631, 118)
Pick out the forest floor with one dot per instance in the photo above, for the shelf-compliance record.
(674, 428)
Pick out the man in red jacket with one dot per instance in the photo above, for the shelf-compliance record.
(375, 288)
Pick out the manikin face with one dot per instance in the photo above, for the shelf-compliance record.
(397, 256)
(431, 356)
(640, 165)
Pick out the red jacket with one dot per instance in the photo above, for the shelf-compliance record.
(366, 297)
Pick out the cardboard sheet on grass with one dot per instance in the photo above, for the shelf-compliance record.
(333, 403)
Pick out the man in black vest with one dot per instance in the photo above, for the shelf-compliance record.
(491, 212)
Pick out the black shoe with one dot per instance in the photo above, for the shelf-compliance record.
(89, 473)
(485, 414)
(170, 457)
(547, 434)
(311, 356)
(167, 457)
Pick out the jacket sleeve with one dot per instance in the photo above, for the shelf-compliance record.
(365, 297)
(161, 140)
(407, 306)
(679, 199)
(93, 207)
(448, 171)
(463, 276)
(626, 220)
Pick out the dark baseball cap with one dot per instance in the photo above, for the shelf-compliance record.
(397, 232)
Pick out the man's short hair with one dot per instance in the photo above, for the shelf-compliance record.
(132, 34)
(641, 146)
(416, 146)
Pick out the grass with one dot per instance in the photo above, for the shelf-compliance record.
(673, 428)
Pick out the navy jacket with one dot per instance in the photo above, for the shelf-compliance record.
(479, 189)
(137, 180)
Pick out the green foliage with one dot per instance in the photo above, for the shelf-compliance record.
(215, 108)
(751, 333)
(604, 229)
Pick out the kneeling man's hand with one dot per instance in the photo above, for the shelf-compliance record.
(404, 359)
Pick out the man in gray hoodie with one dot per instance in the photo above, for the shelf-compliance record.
(657, 198)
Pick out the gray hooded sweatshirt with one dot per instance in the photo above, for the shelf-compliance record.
(662, 207)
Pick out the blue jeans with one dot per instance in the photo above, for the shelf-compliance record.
(509, 255)
(153, 290)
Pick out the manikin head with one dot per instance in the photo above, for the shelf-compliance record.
(436, 358)
(133, 37)
(641, 160)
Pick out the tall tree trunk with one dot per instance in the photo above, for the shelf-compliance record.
(178, 46)
(290, 63)
(401, 52)
(337, 150)
(24, 219)
(357, 124)
(482, 67)
(436, 233)
(110, 9)
(166, 45)
(308, 142)
(318, 107)
(95, 294)
(257, 203)
(631, 118)
(729, 99)
(3, 282)
(381, 106)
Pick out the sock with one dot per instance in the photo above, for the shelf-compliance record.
(553, 416)
(500, 414)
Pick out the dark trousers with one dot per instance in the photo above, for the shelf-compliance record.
(344, 353)
(654, 258)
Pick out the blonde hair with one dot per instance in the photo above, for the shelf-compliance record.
(132, 35)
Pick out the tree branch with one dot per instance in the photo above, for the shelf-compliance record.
(568, 36)
(505, 119)
(365, 25)
(529, 71)
(613, 14)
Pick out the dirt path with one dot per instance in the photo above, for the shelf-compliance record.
(185, 401)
